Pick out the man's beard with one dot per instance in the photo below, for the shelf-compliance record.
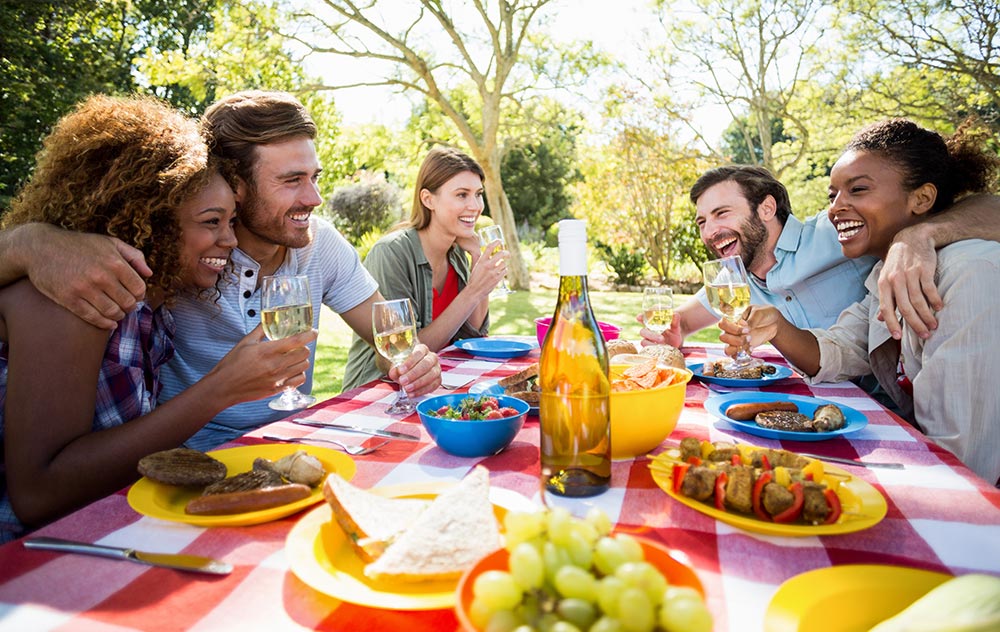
(752, 236)
(254, 216)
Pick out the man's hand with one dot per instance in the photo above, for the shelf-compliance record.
(906, 283)
(759, 326)
(94, 276)
(420, 373)
(672, 336)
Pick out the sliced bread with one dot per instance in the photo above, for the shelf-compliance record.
(456, 531)
(370, 521)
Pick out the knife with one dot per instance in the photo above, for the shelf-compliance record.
(167, 560)
(837, 459)
(368, 431)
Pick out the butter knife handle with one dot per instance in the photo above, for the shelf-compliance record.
(69, 546)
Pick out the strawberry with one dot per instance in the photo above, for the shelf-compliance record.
(507, 411)
(494, 414)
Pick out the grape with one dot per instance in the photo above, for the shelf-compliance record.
(497, 590)
(631, 547)
(563, 626)
(599, 520)
(645, 576)
(684, 611)
(606, 624)
(526, 566)
(573, 581)
(637, 611)
(559, 525)
(577, 611)
(503, 621)
(609, 589)
(555, 558)
(608, 555)
(479, 613)
(581, 552)
(520, 527)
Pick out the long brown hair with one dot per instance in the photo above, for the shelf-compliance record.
(440, 165)
(119, 166)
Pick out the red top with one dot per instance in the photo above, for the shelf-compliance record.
(448, 293)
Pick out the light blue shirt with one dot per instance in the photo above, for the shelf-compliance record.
(812, 281)
(207, 331)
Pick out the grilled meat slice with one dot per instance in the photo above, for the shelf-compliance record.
(246, 481)
(690, 447)
(739, 489)
(787, 459)
(784, 420)
(182, 466)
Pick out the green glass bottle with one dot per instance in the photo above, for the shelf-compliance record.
(575, 406)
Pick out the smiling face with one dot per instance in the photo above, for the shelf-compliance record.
(207, 237)
(456, 205)
(728, 225)
(275, 209)
(869, 205)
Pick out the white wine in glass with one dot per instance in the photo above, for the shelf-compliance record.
(285, 310)
(728, 291)
(488, 235)
(394, 328)
(657, 308)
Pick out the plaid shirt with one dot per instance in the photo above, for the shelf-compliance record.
(127, 386)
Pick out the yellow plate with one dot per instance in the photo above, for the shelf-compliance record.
(320, 555)
(862, 505)
(846, 598)
(167, 502)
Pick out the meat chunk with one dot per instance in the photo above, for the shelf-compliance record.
(784, 420)
(776, 499)
(699, 483)
(690, 447)
(815, 509)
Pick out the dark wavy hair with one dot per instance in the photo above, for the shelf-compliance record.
(755, 182)
(119, 166)
(956, 166)
(440, 165)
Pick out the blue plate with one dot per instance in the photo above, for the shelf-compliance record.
(492, 387)
(495, 347)
(717, 404)
(783, 372)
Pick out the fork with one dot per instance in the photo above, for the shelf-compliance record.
(353, 450)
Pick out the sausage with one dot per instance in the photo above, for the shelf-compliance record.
(251, 500)
(749, 410)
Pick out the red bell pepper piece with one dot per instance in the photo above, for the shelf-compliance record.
(680, 469)
(694, 460)
(720, 491)
(736, 459)
(792, 513)
(758, 491)
(835, 509)
(765, 463)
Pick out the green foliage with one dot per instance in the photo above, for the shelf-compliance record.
(628, 265)
(369, 204)
(536, 175)
(366, 242)
(741, 142)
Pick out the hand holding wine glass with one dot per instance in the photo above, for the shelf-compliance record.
(728, 291)
(487, 236)
(657, 308)
(395, 331)
(285, 310)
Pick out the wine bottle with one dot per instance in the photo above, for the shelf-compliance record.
(575, 407)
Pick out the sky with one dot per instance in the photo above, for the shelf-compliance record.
(617, 26)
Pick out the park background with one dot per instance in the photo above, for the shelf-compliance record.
(604, 111)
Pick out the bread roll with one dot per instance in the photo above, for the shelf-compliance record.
(619, 346)
(665, 354)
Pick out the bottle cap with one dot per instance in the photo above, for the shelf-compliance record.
(572, 247)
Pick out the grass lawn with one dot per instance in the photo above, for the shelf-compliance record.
(514, 314)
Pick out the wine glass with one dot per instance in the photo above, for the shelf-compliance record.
(395, 330)
(657, 308)
(285, 310)
(488, 235)
(728, 291)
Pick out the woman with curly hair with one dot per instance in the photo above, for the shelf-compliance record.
(134, 169)
(895, 174)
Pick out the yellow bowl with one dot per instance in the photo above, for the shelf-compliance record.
(642, 419)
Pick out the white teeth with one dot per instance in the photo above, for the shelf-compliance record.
(848, 228)
(722, 244)
(300, 217)
(215, 262)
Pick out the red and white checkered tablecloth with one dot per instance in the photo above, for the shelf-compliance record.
(940, 517)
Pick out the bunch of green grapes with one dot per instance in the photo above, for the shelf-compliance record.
(571, 575)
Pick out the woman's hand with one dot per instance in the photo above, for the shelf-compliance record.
(420, 373)
(257, 367)
(488, 270)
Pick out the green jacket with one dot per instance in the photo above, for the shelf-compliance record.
(398, 263)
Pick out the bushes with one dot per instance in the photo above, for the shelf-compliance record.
(628, 265)
(372, 204)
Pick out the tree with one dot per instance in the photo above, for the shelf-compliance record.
(960, 38)
(488, 50)
(749, 56)
(537, 174)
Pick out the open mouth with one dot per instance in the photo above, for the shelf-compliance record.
(216, 263)
(300, 217)
(847, 229)
(726, 247)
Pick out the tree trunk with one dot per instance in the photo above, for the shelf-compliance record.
(503, 215)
